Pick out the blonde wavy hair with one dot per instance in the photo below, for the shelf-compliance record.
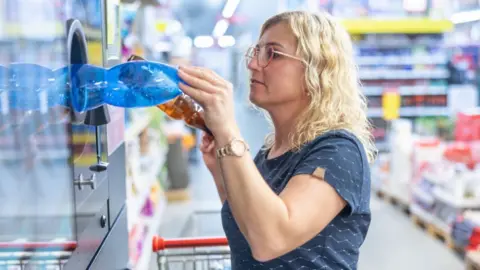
(331, 80)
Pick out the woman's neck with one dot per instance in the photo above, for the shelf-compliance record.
(284, 120)
(284, 124)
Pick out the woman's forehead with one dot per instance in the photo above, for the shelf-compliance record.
(278, 35)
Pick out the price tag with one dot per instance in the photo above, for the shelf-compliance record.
(391, 104)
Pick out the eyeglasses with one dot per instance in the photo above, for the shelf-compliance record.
(266, 54)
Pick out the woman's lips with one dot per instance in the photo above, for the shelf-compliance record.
(252, 81)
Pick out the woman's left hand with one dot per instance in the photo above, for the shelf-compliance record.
(215, 95)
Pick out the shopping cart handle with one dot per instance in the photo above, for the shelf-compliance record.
(159, 243)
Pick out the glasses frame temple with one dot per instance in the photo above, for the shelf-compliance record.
(291, 56)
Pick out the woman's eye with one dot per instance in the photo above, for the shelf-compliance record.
(271, 53)
(275, 55)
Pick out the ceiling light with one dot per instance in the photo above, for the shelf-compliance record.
(226, 41)
(465, 16)
(214, 2)
(220, 28)
(230, 8)
(203, 42)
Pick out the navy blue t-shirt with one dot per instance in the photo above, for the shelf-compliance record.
(336, 247)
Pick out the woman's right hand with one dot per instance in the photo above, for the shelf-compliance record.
(207, 147)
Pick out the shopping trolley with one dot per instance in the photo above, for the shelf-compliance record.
(192, 253)
(35, 255)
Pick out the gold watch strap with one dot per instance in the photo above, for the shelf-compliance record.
(227, 149)
(224, 151)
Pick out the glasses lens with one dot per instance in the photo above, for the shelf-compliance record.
(265, 56)
(250, 53)
(249, 56)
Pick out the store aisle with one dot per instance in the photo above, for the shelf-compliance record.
(393, 242)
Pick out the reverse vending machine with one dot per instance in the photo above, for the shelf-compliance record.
(62, 173)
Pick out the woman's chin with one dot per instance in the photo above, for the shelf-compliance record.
(259, 98)
(254, 99)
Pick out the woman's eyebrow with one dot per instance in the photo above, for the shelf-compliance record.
(273, 43)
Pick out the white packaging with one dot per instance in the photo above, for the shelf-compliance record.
(401, 171)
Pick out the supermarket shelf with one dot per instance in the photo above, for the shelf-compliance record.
(435, 178)
(397, 26)
(137, 126)
(423, 196)
(382, 146)
(472, 260)
(456, 202)
(393, 199)
(413, 112)
(421, 213)
(153, 225)
(429, 219)
(434, 226)
(136, 202)
(402, 60)
(407, 90)
(45, 31)
(383, 74)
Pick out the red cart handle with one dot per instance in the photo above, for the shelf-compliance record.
(159, 243)
(66, 246)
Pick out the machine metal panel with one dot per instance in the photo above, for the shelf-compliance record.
(110, 256)
(86, 213)
(90, 240)
(117, 186)
(46, 152)
(35, 169)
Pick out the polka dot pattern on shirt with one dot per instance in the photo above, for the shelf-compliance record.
(336, 247)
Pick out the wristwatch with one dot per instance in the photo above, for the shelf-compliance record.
(235, 147)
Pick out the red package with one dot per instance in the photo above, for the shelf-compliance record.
(467, 126)
(460, 153)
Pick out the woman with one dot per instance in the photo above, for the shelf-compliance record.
(303, 202)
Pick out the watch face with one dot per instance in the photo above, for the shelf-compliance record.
(238, 148)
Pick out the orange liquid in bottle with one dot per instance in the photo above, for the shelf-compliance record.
(181, 108)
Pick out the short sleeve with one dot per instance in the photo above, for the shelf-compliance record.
(338, 160)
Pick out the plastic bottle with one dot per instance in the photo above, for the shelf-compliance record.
(31, 87)
(132, 84)
(181, 108)
(128, 85)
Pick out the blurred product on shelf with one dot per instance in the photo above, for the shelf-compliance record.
(466, 230)
(438, 179)
(468, 126)
(146, 159)
(400, 164)
(412, 66)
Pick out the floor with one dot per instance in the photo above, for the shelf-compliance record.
(393, 242)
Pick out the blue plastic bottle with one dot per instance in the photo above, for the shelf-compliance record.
(129, 85)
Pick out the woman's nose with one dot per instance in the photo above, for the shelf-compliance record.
(252, 63)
